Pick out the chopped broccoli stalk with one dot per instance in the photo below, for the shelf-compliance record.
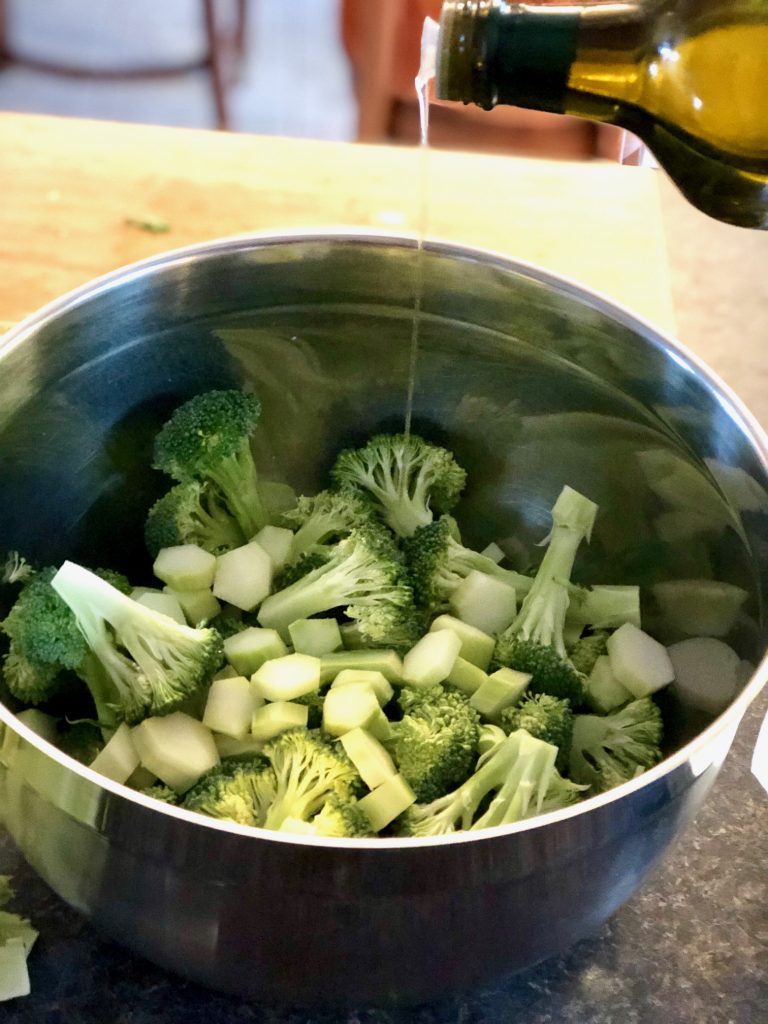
(208, 439)
(587, 650)
(239, 790)
(176, 748)
(276, 541)
(604, 606)
(435, 742)
(229, 707)
(287, 678)
(545, 717)
(326, 518)
(466, 677)
(251, 647)
(355, 705)
(309, 770)
(534, 642)
(389, 663)
(517, 775)
(315, 636)
(483, 601)
(387, 802)
(377, 681)
(370, 757)
(438, 565)
(404, 477)
(500, 689)
(140, 662)
(192, 513)
(607, 750)
(362, 576)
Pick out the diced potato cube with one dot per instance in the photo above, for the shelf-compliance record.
(638, 661)
(229, 707)
(288, 677)
(276, 541)
(119, 758)
(431, 659)
(251, 647)
(476, 646)
(243, 576)
(272, 719)
(376, 680)
(199, 606)
(185, 567)
(166, 604)
(352, 706)
(315, 636)
(485, 602)
(176, 748)
(603, 690)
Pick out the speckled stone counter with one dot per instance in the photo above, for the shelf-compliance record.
(690, 948)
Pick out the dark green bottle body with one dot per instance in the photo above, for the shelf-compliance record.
(689, 77)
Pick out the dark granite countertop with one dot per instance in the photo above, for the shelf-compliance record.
(691, 947)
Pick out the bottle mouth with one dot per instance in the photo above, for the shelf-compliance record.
(468, 31)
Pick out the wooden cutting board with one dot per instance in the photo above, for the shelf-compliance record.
(75, 194)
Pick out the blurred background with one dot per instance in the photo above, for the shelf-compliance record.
(327, 69)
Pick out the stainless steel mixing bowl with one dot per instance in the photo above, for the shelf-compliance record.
(534, 382)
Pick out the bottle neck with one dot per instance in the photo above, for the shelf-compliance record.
(492, 52)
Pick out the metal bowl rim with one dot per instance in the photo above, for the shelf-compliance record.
(725, 723)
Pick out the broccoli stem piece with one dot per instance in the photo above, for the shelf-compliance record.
(404, 477)
(542, 615)
(164, 662)
(518, 773)
(361, 575)
(208, 438)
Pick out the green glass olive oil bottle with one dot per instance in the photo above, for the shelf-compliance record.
(689, 77)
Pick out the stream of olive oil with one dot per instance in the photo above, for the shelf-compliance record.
(418, 271)
(425, 73)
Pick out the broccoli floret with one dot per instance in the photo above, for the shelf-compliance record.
(159, 791)
(534, 642)
(192, 513)
(325, 518)
(435, 742)
(208, 439)
(139, 662)
(238, 790)
(607, 750)
(308, 771)
(32, 682)
(362, 576)
(545, 717)
(587, 650)
(518, 776)
(341, 819)
(437, 563)
(310, 560)
(42, 628)
(404, 477)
